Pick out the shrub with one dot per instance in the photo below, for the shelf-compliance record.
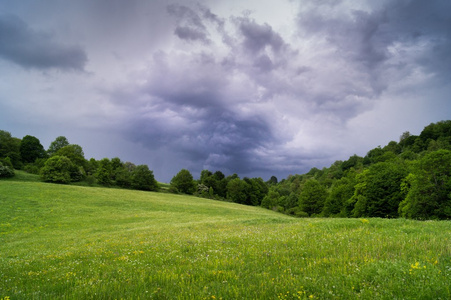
(5, 171)
(58, 169)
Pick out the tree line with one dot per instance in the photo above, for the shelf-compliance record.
(410, 178)
(65, 163)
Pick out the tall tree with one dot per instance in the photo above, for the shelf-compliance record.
(428, 188)
(143, 179)
(10, 147)
(312, 197)
(74, 153)
(183, 182)
(378, 191)
(104, 172)
(31, 149)
(57, 144)
(237, 190)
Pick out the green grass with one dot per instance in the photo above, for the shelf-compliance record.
(75, 242)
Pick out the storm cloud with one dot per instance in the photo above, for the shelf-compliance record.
(33, 49)
(258, 90)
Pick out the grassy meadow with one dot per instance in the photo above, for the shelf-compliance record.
(75, 242)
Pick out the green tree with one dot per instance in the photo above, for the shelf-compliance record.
(341, 191)
(354, 161)
(58, 169)
(74, 153)
(123, 173)
(143, 179)
(57, 144)
(272, 181)
(378, 191)
(31, 149)
(256, 190)
(10, 147)
(183, 182)
(271, 200)
(237, 190)
(312, 197)
(104, 172)
(428, 188)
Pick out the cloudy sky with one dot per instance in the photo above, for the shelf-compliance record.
(253, 87)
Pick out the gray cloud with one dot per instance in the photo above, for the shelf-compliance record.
(205, 85)
(190, 26)
(32, 49)
(257, 37)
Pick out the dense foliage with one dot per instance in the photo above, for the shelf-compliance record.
(65, 163)
(410, 178)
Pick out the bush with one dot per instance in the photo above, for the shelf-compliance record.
(5, 171)
(301, 214)
(58, 169)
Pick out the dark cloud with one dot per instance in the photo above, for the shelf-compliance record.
(257, 93)
(190, 26)
(32, 49)
(188, 33)
(258, 36)
(398, 35)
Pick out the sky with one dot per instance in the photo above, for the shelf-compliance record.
(252, 87)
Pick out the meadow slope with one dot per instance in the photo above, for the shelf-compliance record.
(73, 242)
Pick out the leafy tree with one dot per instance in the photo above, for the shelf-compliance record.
(272, 181)
(183, 182)
(214, 181)
(220, 186)
(57, 144)
(143, 179)
(31, 149)
(104, 172)
(271, 200)
(256, 190)
(373, 156)
(341, 191)
(393, 147)
(58, 169)
(123, 174)
(205, 176)
(74, 153)
(290, 201)
(353, 162)
(436, 131)
(406, 141)
(219, 175)
(428, 188)
(91, 166)
(312, 197)
(237, 190)
(378, 191)
(10, 147)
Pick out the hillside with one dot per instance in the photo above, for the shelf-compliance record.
(72, 242)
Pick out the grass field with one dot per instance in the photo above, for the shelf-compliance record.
(74, 242)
